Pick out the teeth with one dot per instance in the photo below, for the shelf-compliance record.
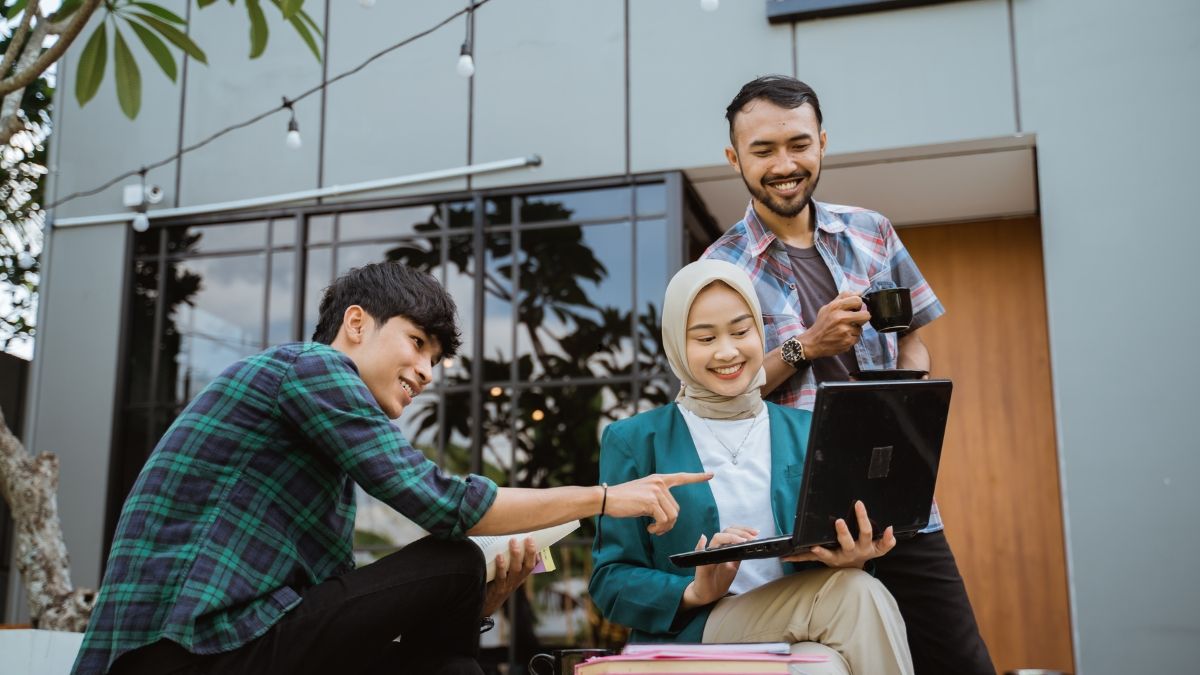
(407, 388)
(791, 184)
(728, 370)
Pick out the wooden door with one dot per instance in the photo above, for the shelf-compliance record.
(998, 486)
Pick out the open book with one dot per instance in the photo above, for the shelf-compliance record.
(542, 539)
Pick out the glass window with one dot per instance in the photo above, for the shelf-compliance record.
(653, 274)
(316, 279)
(496, 331)
(651, 200)
(576, 296)
(221, 319)
(283, 232)
(281, 300)
(217, 238)
(388, 223)
(611, 203)
(320, 229)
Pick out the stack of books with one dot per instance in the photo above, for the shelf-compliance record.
(693, 659)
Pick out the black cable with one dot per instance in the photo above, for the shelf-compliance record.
(288, 102)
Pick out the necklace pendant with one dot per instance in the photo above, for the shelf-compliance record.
(735, 461)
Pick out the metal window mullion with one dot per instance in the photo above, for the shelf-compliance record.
(300, 283)
(442, 437)
(480, 335)
(269, 281)
(515, 284)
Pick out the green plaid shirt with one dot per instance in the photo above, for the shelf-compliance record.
(247, 500)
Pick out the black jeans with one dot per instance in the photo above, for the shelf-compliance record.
(942, 634)
(430, 593)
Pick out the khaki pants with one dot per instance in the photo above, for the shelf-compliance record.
(845, 614)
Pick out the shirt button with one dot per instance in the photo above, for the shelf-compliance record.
(792, 286)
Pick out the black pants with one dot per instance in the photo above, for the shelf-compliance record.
(923, 577)
(430, 593)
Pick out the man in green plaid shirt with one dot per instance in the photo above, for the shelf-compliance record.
(233, 553)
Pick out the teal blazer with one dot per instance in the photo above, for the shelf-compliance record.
(633, 582)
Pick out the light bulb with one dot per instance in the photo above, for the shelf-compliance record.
(466, 65)
(293, 135)
(141, 222)
(709, 5)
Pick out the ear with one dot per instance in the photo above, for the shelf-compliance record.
(732, 158)
(824, 142)
(354, 322)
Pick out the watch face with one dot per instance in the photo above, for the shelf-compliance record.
(790, 351)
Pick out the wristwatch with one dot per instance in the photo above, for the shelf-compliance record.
(792, 353)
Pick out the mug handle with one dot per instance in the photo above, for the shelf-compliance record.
(548, 659)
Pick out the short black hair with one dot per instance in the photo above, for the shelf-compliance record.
(386, 290)
(783, 91)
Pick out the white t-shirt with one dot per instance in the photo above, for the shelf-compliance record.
(743, 490)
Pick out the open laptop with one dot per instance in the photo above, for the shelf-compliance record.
(875, 441)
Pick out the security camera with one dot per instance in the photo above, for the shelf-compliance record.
(139, 195)
(154, 194)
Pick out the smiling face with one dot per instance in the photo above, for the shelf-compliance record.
(778, 152)
(724, 348)
(395, 359)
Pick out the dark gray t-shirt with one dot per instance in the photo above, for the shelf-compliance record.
(816, 288)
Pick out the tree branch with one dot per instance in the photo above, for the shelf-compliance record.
(67, 35)
(18, 38)
(29, 485)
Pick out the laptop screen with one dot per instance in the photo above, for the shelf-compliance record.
(875, 441)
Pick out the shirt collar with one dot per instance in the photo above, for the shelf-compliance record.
(761, 236)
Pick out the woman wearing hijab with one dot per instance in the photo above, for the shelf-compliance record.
(712, 333)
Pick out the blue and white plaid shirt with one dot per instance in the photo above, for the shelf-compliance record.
(862, 251)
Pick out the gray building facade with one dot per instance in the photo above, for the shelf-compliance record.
(1079, 113)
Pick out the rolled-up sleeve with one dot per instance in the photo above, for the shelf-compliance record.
(326, 400)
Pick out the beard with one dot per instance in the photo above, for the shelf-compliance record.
(789, 209)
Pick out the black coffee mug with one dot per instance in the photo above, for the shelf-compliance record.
(890, 308)
(563, 661)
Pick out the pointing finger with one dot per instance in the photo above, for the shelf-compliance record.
(673, 479)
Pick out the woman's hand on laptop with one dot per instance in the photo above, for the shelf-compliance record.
(712, 582)
(853, 552)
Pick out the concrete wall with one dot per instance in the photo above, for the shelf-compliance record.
(1113, 91)
(1109, 87)
(74, 379)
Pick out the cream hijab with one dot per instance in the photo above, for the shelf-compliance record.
(681, 293)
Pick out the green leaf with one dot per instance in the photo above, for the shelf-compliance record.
(204, 3)
(160, 12)
(15, 9)
(290, 7)
(91, 65)
(306, 36)
(129, 78)
(258, 28)
(157, 48)
(175, 36)
(311, 24)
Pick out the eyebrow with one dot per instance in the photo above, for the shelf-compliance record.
(709, 326)
(799, 137)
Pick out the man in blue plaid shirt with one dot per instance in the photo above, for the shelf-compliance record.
(233, 553)
(811, 263)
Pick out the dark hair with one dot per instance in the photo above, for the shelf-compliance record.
(389, 289)
(783, 91)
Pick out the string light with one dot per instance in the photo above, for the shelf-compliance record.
(475, 4)
(293, 133)
(466, 62)
(710, 5)
(141, 222)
